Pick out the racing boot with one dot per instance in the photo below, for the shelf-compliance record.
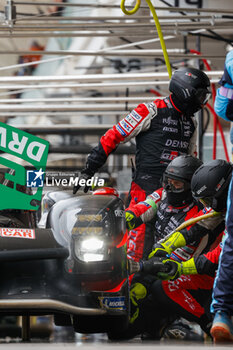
(181, 331)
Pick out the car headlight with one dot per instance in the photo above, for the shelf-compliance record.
(91, 249)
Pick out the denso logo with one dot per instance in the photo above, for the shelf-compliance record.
(177, 143)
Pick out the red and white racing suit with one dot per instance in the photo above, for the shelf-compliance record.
(162, 133)
(190, 296)
(187, 296)
(167, 218)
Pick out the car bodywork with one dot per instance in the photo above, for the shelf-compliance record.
(75, 269)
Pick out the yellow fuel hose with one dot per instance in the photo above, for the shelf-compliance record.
(157, 24)
(191, 222)
(196, 219)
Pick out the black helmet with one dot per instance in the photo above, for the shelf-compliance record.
(191, 88)
(182, 169)
(210, 183)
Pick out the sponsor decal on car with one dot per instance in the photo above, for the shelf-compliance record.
(119, 213)
(15, 143)
(115, 303)
(17, 233)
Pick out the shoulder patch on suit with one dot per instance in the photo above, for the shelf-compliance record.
(136, 116)
(152, 109)
(131, 120)
(125, 126)
(155, 196)
(121, 131)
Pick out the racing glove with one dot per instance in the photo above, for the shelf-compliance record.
(132, 220)
(176, 240)
(176, 269)
(86, 174)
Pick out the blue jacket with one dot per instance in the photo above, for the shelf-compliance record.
(224, 99)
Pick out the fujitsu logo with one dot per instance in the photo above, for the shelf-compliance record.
(170, 121)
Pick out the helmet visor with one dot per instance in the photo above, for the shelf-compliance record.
(203, 95)
(173, 185)
(206, 201)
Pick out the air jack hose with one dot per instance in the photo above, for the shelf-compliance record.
(157, 24)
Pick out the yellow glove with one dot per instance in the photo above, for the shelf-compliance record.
(132, 220)
(176, 240)
(189, 267)
(158, 251)
(177, 269)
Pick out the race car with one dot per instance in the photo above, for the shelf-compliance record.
(75, 268)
